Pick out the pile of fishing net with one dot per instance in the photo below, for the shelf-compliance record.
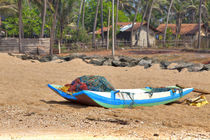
(89, 82)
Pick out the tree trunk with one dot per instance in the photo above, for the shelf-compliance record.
(148, 22)
(80, 10)
(43, 18)
(142, 21)
(206, 33)
(61, 35)
(61, 32)
(102, 32)
(136, 12)
(178, 26)
(28, 3)
(199, 25)
(20, 26)
(94, 25)
(164, 38)
(83, 15)
(107, 42)
(115, 27)
(193, 17)
(53, 27)
(113, 41)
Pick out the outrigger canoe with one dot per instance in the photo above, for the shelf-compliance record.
(123, 98)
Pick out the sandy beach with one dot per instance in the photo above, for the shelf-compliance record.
(30, 110)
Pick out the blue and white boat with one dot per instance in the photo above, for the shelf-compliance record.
(123, 98)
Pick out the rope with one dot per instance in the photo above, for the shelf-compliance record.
(129, 95)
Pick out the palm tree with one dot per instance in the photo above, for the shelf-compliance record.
(42, 5)
(43, 18)
(83, 15)
(193, 9)
(199, 25)
(136, 12)
(180, 7)
(80, 11)
(107, 42)
(53, 27)
(102, 32)
(64, 13)
(169, 9)
(142, 20)
(20, 25)
(113, 53)
(94, 25)
(127, 6)
(7, 7)
(115, 27)
(148, 23)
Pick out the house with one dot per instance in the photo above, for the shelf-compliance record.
(124, 33)
(187, 32)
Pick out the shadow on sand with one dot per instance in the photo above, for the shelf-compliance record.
(66, 103)
(175, 102)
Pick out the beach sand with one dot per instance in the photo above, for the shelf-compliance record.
(30, 110)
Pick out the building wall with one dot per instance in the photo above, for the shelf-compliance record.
(143, 37)
(30, 45)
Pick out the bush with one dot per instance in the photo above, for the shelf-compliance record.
(80, 35)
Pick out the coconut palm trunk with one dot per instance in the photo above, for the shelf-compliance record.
(207, 41)
(61, 35)
(178, 27)
(142, 21)
(136, 12)
(94, 25)
(169, 9)
(80, 11)
(193, 17)
(113, 41)
(115, 27)
(53, 27)
(107, 42)
(199, 25)
(43, 18)
(83, 15)
(148, 23)
(20, 26)
(102, 32)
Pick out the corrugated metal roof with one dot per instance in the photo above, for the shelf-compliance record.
(124, 26)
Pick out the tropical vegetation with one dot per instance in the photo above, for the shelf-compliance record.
(77, 20)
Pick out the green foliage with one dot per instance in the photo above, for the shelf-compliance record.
(31, 23)
(11, 25)
(122, 17)
(110, 31)
(90, 14)
(138, 17)
(169, 34)
(80, 35)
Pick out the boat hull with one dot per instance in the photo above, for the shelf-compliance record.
(121, 100)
